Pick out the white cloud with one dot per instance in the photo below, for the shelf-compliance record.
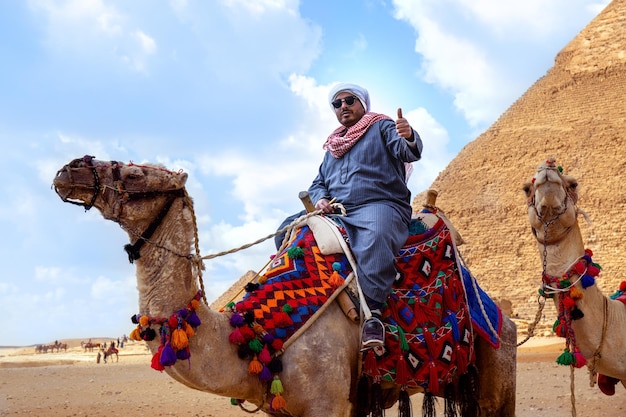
(531, 19)
(56, 295)
(47, 274)
(137, 57)
(90, 16)
(108, 291)
(250, 28)
(92, 32)
(259, 7)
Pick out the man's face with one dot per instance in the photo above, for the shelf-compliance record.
(347, 114)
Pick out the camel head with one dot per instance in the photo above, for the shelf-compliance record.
(125, 193)
(551, 197)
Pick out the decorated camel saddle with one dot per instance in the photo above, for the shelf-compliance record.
(432, 315)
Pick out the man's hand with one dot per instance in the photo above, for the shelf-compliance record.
(403, 127)
(324, 205)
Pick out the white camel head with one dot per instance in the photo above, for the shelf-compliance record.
(551, 197)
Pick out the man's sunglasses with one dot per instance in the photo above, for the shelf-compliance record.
(349, 101)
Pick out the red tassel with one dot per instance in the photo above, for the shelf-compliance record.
(277, 344)
(402, 371)
(568, 303)
(579, 267)
(156, 360)
(371, 366)
(461, 360)
(247, 333)
(433, 383)
(593, 270)
(282, 319)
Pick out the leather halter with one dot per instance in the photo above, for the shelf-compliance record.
(122, 195)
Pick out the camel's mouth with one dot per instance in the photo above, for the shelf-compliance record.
(77, 182)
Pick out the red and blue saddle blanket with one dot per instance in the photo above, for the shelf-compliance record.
(429, 336)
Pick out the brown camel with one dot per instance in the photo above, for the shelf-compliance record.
(588, 319)
(151, 198)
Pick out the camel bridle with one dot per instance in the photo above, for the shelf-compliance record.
(79, 163)
(570, 198)
(122, 196)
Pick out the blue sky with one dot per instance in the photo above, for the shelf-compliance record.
(233, 92)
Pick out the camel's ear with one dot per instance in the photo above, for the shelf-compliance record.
(572, 187)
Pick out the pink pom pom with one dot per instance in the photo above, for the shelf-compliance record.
(579, 359)
(235, 337)
(264, 355)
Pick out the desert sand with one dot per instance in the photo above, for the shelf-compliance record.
(72, 383)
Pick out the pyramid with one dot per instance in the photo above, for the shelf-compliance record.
(577, 113)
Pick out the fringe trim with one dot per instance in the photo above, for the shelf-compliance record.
(468, 393)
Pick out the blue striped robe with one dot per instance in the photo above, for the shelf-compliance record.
(369, 181)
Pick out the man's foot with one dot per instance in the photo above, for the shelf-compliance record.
(373, 334)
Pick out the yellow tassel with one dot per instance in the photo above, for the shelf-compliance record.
(144, 321)
(189, 330)
(575, 293)
(255, 366)
(194, 304)
(135, 334)
(179, 339)
(278, 402)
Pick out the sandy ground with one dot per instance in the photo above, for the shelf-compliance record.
(72, 384)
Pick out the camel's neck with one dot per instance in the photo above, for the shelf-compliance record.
(167, 283)
(560, 256)
(164, 275)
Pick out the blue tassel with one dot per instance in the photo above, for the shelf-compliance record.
(587, 281)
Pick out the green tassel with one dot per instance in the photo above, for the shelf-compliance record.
(404, 344)
(295, 252)
(230, 305)
(277, 386)
(287, 308)
(255, 345)
(556, 323)
(235, 401)
(566, 358)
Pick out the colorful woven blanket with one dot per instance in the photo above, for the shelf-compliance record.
(429, 337)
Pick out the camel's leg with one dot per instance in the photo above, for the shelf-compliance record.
(496, 373)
